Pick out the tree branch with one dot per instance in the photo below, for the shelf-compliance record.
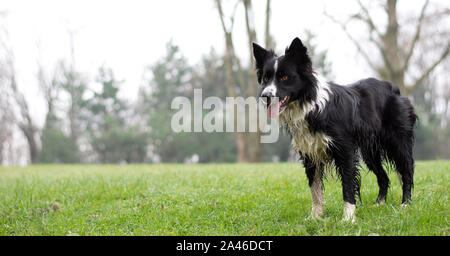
(251, 33)
(354, 41)
(221, 16)
(369, 19)
(383, 53)
(233, 15)
(416, 36)
(268, 37)
(230, 55)
(219, 8)
(430, 69)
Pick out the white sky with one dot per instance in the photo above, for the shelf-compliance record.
(129, 35)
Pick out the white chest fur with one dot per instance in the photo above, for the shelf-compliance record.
(313, 145)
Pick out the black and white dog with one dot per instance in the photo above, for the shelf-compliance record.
(330, 124)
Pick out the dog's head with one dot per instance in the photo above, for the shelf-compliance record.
(283, 79)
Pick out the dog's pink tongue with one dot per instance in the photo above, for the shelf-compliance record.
(273, 110)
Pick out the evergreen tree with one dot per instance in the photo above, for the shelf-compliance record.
(111, 137)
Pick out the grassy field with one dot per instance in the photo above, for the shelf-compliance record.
(220, 199)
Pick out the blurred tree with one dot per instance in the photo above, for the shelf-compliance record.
(209, 75)
(74, 85)
(242, 81)
(111, 137)
(170, 77)
(397, 46)
(22, 117)
(57, 147)
(432, 133)
(7, 118)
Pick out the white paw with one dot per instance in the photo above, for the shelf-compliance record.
(379, 203)
(349, 213)
(351, 219)
(316, 213)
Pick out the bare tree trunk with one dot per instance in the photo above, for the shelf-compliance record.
(238, 136)
(391, 48)
(71, 113)
(74, 93)
(253, 145)
(247, 143)
(1, 152)
(229, 80)
(24, 121)
(396, 58)
(270, 44)
(27, 125)
(7, 119)
(30, 134)
(50, 90)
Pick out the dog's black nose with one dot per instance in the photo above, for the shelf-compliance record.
(265, 97)
(268, 92)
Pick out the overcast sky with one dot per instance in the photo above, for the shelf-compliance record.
(129, 35)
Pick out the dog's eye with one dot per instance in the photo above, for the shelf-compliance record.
(284, 78)
(266, 79)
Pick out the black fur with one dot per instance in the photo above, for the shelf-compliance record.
(369, 116)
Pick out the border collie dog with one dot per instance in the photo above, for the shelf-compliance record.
(333, 125)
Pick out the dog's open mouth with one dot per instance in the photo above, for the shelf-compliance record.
(277, 106)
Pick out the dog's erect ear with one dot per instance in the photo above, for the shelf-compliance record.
(261, 56)
(298, 52)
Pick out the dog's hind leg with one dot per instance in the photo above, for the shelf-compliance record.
(314, 174)
(373, 162)
(400, 152)
(346, 164)
(399, 120)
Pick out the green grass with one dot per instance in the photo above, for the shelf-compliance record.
(210, 199)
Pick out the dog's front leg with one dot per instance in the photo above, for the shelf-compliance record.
(314, 174)
(346, 166)
(317, 194)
